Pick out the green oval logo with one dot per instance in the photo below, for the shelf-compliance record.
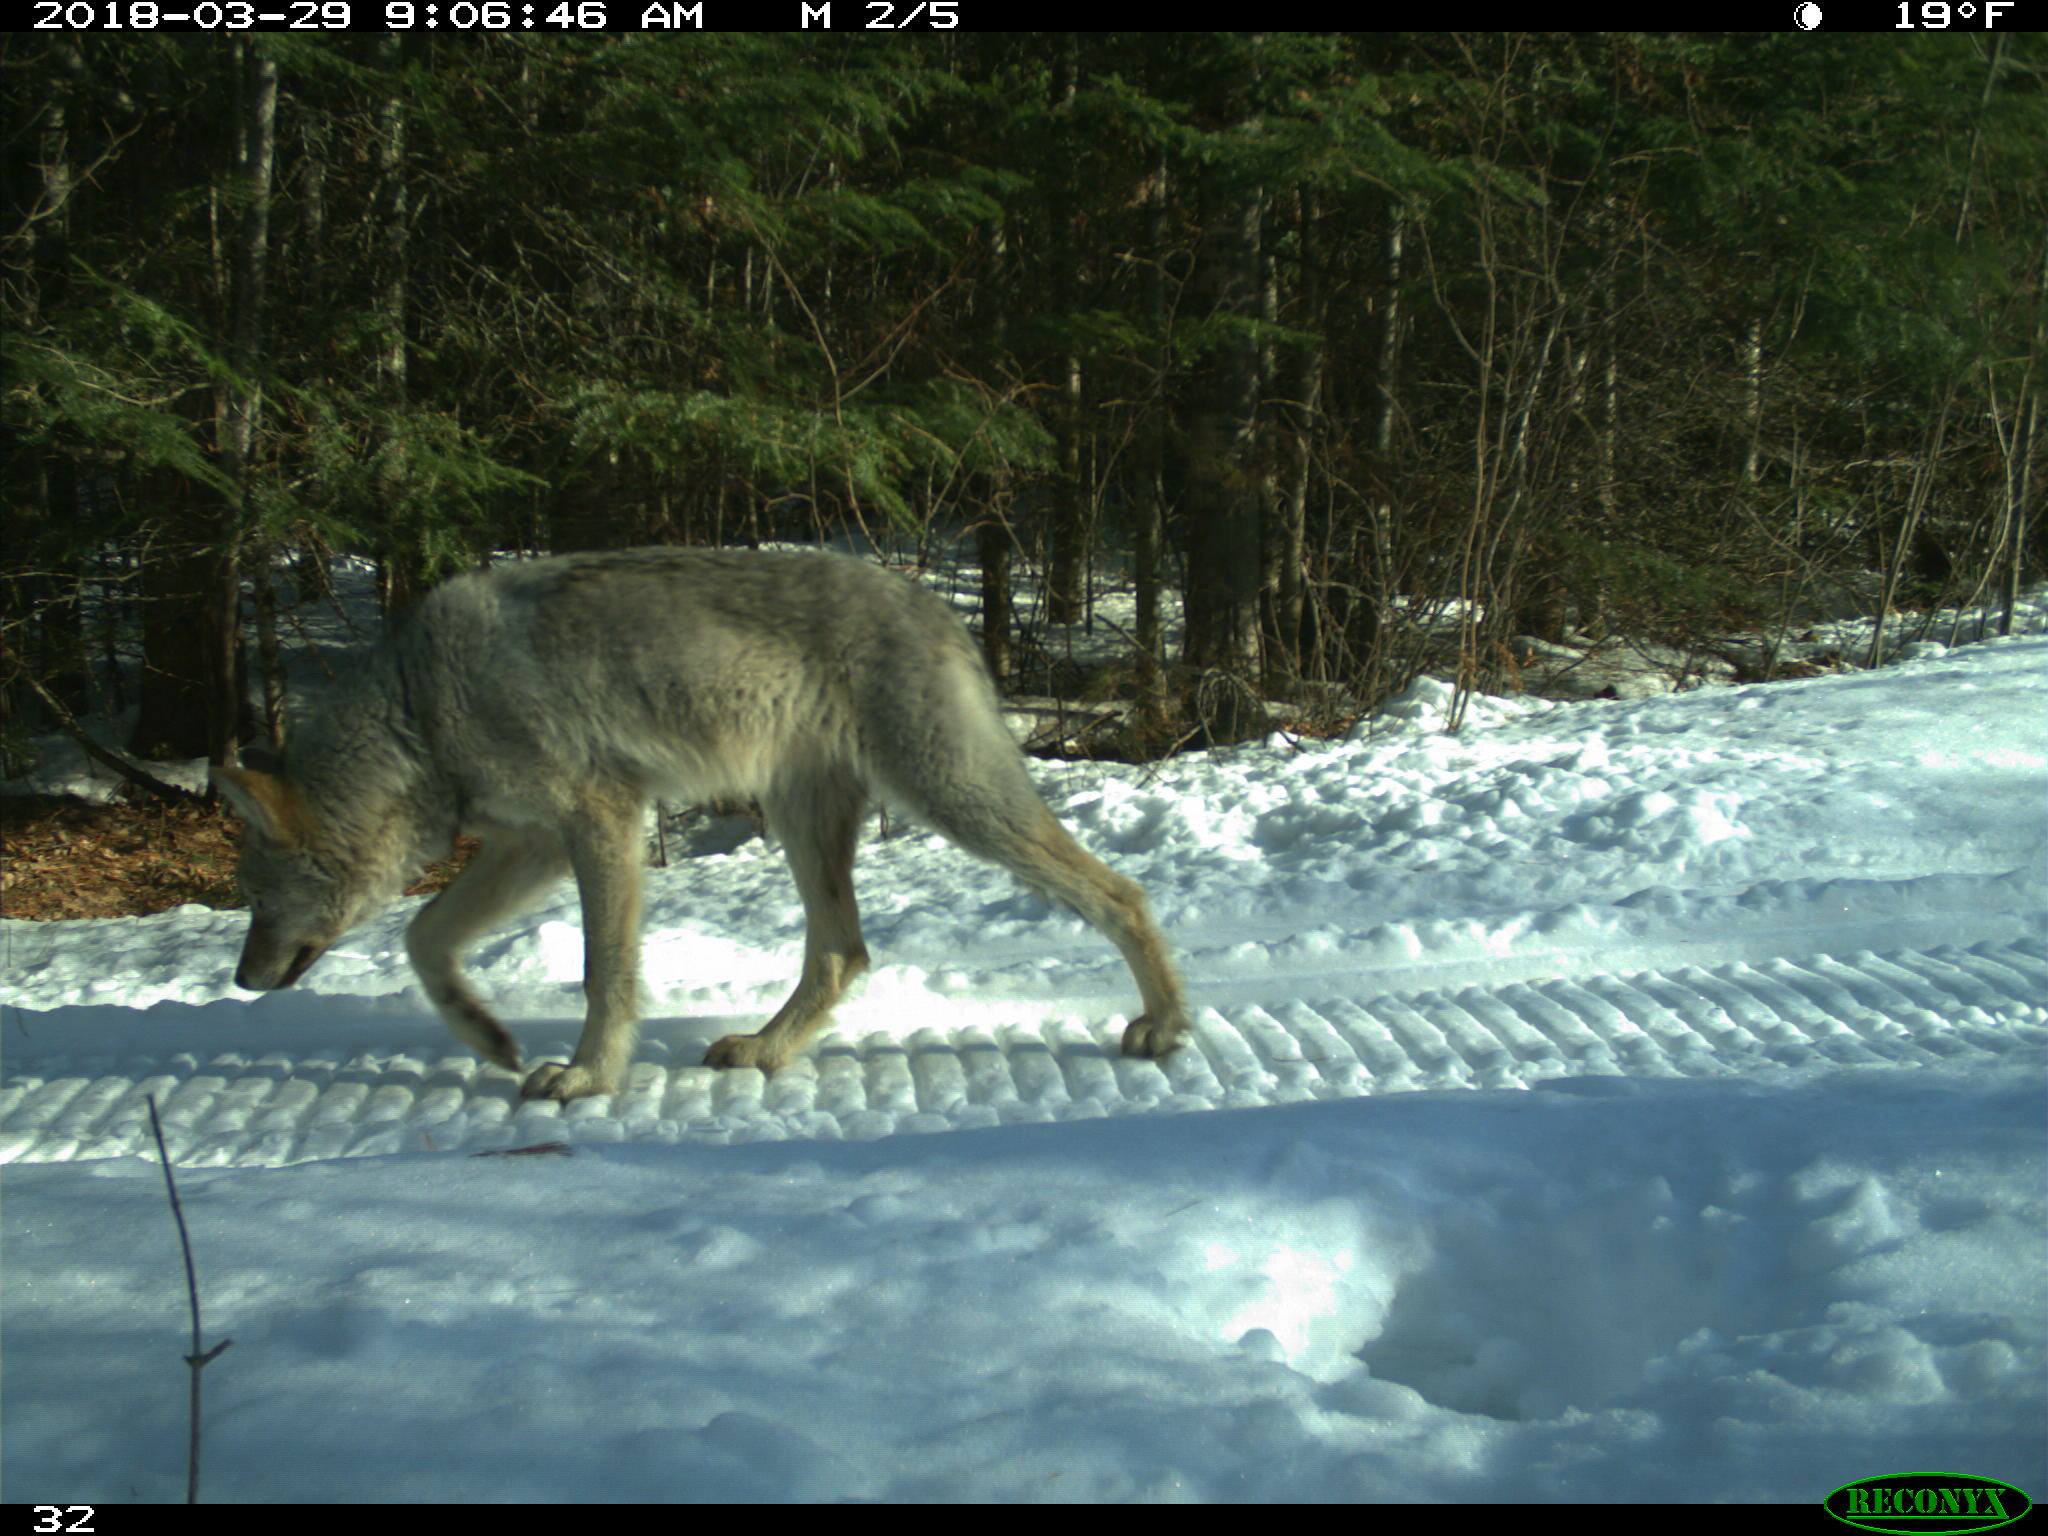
(1950, 1503)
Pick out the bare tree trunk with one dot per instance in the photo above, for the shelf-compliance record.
(1148, 536)
(993, 536)
(177, 698)
(1064, 566)
(992, 546)
(402, 572)
(1753, 389)
(312, 200)
(1301, 391)
(2021, 512)
(223, 640)
(1610, 398)
(2020, 508)
(1277, 664)
(268, 656)
(1390, 344)
(1223, 507)
(1372, 594)
(239, 408)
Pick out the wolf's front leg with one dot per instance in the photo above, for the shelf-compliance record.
(505, 877)
(605, 851)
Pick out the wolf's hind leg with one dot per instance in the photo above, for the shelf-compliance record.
(1046, 857)
(973, 787)
(955, 764)
(507, 875)
(818, 824)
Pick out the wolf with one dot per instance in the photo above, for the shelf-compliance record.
(540, 705)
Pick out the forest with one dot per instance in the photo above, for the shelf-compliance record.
(1349, 356)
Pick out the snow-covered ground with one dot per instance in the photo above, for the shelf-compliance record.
(1613, 1101)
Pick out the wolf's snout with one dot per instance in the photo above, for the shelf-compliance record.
(302, 962)
(257, 976)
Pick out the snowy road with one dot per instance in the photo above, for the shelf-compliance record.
(242, 1100)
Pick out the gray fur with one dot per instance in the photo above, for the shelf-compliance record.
(542, 705)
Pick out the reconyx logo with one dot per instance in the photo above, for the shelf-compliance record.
(1947, 1502)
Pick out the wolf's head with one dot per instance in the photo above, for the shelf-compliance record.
(303, 886)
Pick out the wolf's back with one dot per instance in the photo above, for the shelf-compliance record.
(705, 672)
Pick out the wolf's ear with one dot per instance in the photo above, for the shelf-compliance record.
(266, 801)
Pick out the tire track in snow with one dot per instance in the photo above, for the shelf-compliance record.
(1738, 1018)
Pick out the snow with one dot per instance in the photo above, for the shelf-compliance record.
(1614, 1100)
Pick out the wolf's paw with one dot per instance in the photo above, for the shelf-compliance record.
(1147, 1036)
(478, 1028)
(554, 1081)
(742, 1051)
(492, 1040)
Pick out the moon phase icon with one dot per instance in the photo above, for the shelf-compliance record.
(1807, 17)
